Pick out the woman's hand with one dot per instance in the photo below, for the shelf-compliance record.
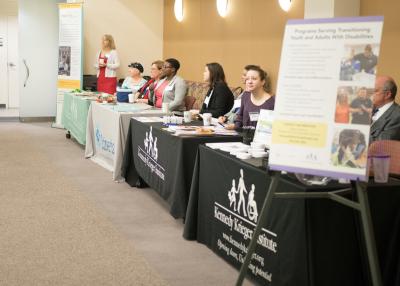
(230, 126)
(222, 119)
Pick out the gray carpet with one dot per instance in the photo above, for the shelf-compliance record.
(140, 216)
(50, 233)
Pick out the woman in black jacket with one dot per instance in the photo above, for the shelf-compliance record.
(219, 99)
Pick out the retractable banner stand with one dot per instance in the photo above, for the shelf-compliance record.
(323, 105)
(69, 52)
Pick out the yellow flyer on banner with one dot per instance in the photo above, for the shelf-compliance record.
(323, 104)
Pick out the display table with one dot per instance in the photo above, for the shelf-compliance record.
(305, 242)
(74, 115)
(164, 161)
(106, 130)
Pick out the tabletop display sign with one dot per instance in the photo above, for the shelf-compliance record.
(70, 72)
(263, 131)
(323, 105)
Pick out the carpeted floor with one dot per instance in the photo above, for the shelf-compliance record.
(51, 234)
(63, 221)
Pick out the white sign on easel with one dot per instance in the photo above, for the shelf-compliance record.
(327, 66)
(263, 133)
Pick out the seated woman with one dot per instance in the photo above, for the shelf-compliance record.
(230, 116)
(171, 89)
(134, 81)
(219, 98)
(142, 95)
(257, 83)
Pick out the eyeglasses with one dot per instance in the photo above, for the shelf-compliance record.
(167, 67)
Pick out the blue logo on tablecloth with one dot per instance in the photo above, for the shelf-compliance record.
(104, 143)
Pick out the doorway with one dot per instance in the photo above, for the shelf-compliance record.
(9, 77)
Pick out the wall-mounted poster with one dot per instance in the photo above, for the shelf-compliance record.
(323, 105)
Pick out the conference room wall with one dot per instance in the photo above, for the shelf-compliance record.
(137, 28)
(389, 60)
(252, 33)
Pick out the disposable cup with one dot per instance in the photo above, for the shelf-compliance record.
(165, 107)
(381, 168)
(207, 119)
(131, 98)
(187, 115)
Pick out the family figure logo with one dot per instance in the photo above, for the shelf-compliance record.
(149, 154)
(150, 144)
(250, 209)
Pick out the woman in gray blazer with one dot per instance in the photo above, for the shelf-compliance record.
(172, 88)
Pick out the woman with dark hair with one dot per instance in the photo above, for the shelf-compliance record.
(171, 89)
(257, 84)
(219, 98)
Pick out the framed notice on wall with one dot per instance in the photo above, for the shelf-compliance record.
(323, 104)
(70, 52)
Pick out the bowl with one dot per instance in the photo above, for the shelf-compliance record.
(243, 156)
(252, 150)
(257, 145)
(259, 154)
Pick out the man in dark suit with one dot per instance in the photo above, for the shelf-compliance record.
(386, 114)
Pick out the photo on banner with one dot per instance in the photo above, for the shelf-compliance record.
(323, 105)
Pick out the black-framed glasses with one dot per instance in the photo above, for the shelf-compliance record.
(167, 67)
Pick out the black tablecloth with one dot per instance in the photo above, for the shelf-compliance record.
(305, 242)
(169, 170)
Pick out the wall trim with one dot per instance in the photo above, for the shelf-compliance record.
(37, 119)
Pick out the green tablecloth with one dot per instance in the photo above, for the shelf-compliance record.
(74, 115)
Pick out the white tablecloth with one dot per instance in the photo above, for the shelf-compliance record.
(106, 131)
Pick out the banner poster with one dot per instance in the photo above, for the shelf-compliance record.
(70, 51)
(70, 46)
(323, 105)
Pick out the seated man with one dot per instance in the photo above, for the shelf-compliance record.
(386, 118)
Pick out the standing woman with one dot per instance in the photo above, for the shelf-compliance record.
(107, 63)
(219, 98)
(257, 83)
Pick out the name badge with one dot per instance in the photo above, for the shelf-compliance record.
(254, 116)
(169, 87)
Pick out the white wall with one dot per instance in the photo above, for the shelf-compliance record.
(38, 46)
(136, 25)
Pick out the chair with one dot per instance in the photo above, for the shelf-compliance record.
(189, 102)
(387, 147)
